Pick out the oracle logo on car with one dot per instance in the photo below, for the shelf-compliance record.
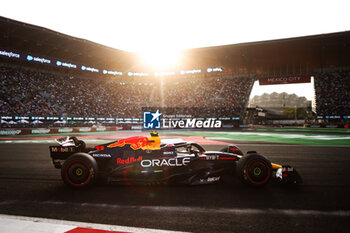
(174, 162)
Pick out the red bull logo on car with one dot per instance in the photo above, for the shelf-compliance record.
(135, 143)
(128, 160)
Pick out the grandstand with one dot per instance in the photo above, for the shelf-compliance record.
(333, 94)
(56, 79)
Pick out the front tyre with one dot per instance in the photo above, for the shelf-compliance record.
(254, 170)
(79, 170)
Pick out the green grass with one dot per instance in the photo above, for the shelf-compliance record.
(289, 138)
(274, 137)
(301, 129)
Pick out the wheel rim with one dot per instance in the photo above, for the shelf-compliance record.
(78, 173)
(258, 171)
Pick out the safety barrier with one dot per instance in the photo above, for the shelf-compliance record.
(26, 131)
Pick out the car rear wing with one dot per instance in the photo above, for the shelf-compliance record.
(67, 146)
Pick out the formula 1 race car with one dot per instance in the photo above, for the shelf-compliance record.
(148, 160)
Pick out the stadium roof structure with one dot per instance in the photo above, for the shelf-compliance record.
(45, 42)
(300, 55)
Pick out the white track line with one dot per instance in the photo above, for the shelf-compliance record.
(15, 224)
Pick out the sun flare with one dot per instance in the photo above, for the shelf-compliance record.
(161, 59)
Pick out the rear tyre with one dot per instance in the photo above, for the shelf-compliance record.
(254, 170)
(79, 170)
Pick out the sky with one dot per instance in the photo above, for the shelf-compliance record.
(159, 29)
(171, 25)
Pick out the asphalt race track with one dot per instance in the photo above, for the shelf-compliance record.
(31, 186)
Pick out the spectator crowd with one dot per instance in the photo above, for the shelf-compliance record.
(333, 93)
(42, 94)
(36, 93)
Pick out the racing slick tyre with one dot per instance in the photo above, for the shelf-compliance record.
(79, 170)
(254, 170)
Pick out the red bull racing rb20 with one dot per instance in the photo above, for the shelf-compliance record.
(150, 160)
